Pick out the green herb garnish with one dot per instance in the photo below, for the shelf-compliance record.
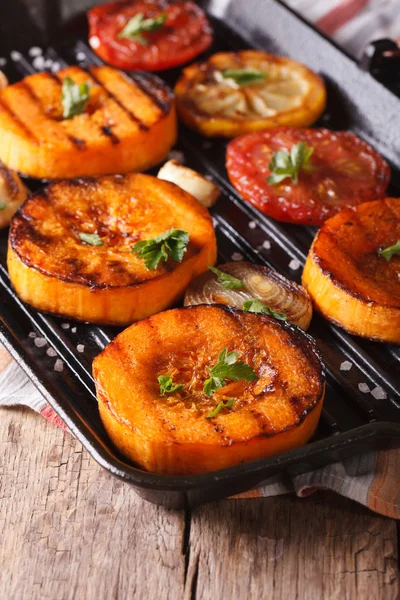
(388, 252)
(2, 205)
(286, 164)
(74, 97)
(255, 306)
(91, 238)
(243, 77)
(227, 367)
(227, 281)
(167, 386)
(221, 405)
(173, 243)
(138, 25)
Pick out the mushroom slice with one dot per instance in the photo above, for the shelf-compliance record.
(233, 93)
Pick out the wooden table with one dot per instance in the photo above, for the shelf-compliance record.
(71, 530)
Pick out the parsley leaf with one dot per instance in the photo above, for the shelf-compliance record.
(221, 405)
(173, 243)
(255, 306)
(2, 205)
(167, 386)
(286, 164)
(74, 97)
(138, 24)
(227, 281)
(212, 384)
(388, 252)
(227, 367)
(243, 77)
(90, 238)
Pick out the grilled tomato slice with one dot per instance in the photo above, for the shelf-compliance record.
(156, 405)
(341, 171)
(72, 247)
(148, 35)
(235, 93)
(353, 270)
(81, 122)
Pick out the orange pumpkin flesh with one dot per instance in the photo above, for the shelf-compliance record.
(128, 124)
(53, 270)
(171, 434)
(350, 284)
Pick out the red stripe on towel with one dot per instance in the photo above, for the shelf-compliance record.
(48, 413)
(340, 15)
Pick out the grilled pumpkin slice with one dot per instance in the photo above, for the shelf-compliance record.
(70, 248)
(177, 433)
(129, 124)
(351, 283)
(235, 93)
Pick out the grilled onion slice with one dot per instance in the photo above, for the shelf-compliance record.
(12, 194)
(282, 92)
(259, 281)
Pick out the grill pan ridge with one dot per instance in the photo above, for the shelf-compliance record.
(362, 405)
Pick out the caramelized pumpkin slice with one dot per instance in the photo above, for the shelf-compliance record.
(128, 124)
(177, 433)
(70, 248)
(350, 282)
(235, 93)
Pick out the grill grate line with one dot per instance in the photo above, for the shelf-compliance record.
(54, 336)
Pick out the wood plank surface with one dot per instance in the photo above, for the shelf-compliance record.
(69, 530)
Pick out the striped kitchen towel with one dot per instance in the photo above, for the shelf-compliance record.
(371, 478)
(352, 23)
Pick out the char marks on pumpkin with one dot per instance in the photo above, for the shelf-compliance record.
(11, 184)
(107, 131)
(130, 114)
(21, 124)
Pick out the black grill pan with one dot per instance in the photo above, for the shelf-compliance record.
(362, 406)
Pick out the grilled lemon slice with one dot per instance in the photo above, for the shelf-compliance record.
(70, 250)
(128, 124)
(235, 93)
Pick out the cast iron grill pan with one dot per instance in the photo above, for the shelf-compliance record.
(362, 405)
